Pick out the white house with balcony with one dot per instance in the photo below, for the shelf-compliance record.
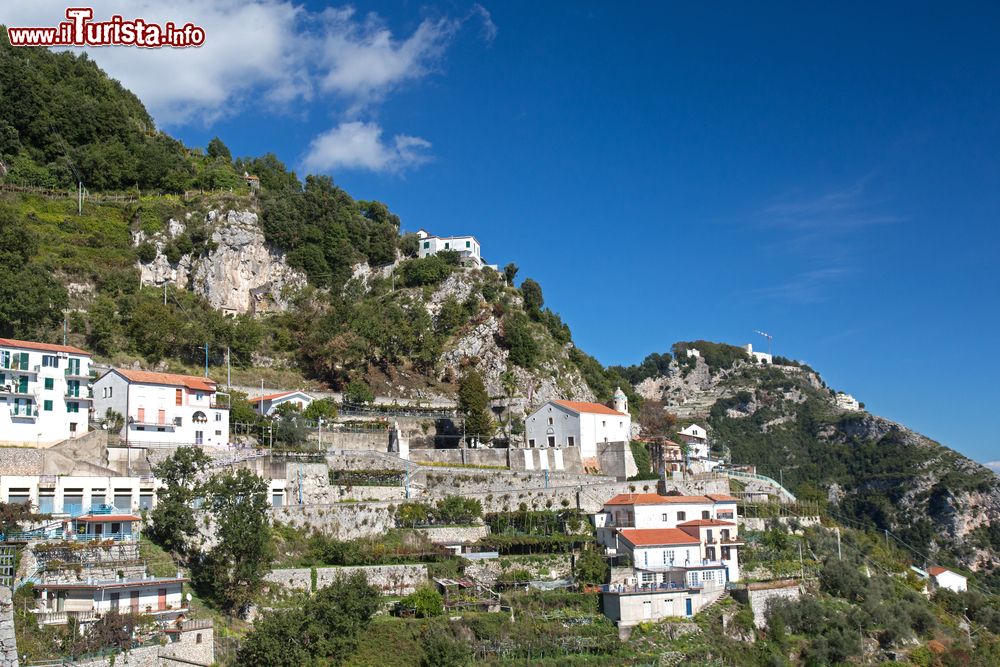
(847, 402)
(72, 495)
(683, 551)
(44, 393)
(466, 246)
(87, 601)
(580, 424)
(164, 408)
(268, 404)
(696, 439)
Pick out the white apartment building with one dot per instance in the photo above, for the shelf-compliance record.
(759, 357)
(74, 495)
(268, 404)
(579, 424)
(466, 246)
(847, 402)
(44, 397)
(696, 438)
(164, 408)
(87, 601)
(665, 534)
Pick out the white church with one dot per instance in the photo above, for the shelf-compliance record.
(579, 424)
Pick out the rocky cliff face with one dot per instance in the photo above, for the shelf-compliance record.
(242, 274)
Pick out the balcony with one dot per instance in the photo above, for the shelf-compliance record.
(24, 412)
(62, 617)
(17, 368)
(75, 374)
(14, 390)
(672, 587)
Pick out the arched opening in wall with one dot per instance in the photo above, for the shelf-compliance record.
(199, 418)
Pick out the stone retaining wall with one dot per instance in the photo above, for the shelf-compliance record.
(8, 644)
(760, 595)
(390, 579)
(455, 534)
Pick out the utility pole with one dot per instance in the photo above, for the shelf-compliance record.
(802, 567)
(164, 294)
(840, 556)
(206, 358)
(229, 371)
(65, 326)
(262, 397)
(319, 421)
(79, 198)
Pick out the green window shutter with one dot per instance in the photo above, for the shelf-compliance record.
(24, 361)
(49, 383)
(22, 384)
(48, 406)
(72, 407)
(427, 244)
(468, 244)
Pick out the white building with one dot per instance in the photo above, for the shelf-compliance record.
(945, 578)
(76, 494)
(44, 397)
(760, 357)
(466, 246)
(164, 408)
(661, 533)
(846, 402)
(579, 424)
(696, 438)
(87, 601)
(683, 551)
(268, 404)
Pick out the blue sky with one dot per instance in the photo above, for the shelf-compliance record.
(827, 172)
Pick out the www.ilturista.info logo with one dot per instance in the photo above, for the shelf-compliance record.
(79, 30)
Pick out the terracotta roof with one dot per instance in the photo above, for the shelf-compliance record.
(590, 408)
(937, 569)
(722, 498)
(271, 397)
(47, 347)
(149, 377)
(101, 518)
(654, 499)
(644, 537)
(707, 522)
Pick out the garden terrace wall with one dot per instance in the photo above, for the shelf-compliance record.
(390, 579)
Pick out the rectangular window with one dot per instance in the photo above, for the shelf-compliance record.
(22, 384)
(725, 553)
(179, 397)
(218, 433)
(648, 578)
(427, 244)
(97, 498)
(47, 406)
(681, 516)
(19, 497)
(73, 367)
(115, 597)
(276, 499)
(447, 245)
(46, 504)
(111, 391)
(531, 442)
(552, 441)
(73, 503)
(146, 500)
(218, 416)
(710, 553)
(49, 383)
(199, 396)
(570, 441)
(123, 501)
(705, 514)
(50, 361)
(665, 519)
(72, 406)
(73, 388)
(116, 528)
(199, 437)
(709, 535)
(24, 361)
(468, 244)
(668, 556)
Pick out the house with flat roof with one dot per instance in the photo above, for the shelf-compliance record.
(164, 408)
(44, 393)
(88, 601)
(466, 246)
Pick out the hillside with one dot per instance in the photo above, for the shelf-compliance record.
(319, 283)
(867, 469)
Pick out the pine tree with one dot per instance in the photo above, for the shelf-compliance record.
(474, 404)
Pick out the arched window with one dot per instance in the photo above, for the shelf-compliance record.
(199, 418)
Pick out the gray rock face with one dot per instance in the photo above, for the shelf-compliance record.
(8, 644)
(241, 275)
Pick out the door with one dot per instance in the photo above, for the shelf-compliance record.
(687, 606)
(22, 384)
(134, 602)
(647, 609)
(161, 599)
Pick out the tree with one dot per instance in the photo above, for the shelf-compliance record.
(232, 573)
(533, 301)
(518, 340)
(441, 649)
(412, 514)
(172, 519)
(457, 510)
(268, 644)
(655, 420)
(321, 408)
(291, 430)
(217, 149)
(474, 404)
(426, 601)
(591, 568)
(358, 393)
(509, 273)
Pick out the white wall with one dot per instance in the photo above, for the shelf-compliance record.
(586, 429)
(432, 245)
(146, 403)
(72, 494)
(54, 421)
(951, 581)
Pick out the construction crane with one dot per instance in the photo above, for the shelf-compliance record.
(769, 338)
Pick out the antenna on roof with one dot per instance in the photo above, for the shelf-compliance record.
(769, 338)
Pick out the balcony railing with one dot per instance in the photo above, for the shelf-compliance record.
(24, 412)
(671, 587)
(61, 617)
(104, 537)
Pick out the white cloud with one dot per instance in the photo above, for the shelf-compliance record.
(249, 47)
(994, 466)
(358, 145)
(363, 60)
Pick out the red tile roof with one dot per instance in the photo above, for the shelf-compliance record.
(589, 408)
(721, 498)
(645, 537)
(271, 397)
(654, 499)
(937, 569)
(707, 522)
(47, 347)
(149, 377)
